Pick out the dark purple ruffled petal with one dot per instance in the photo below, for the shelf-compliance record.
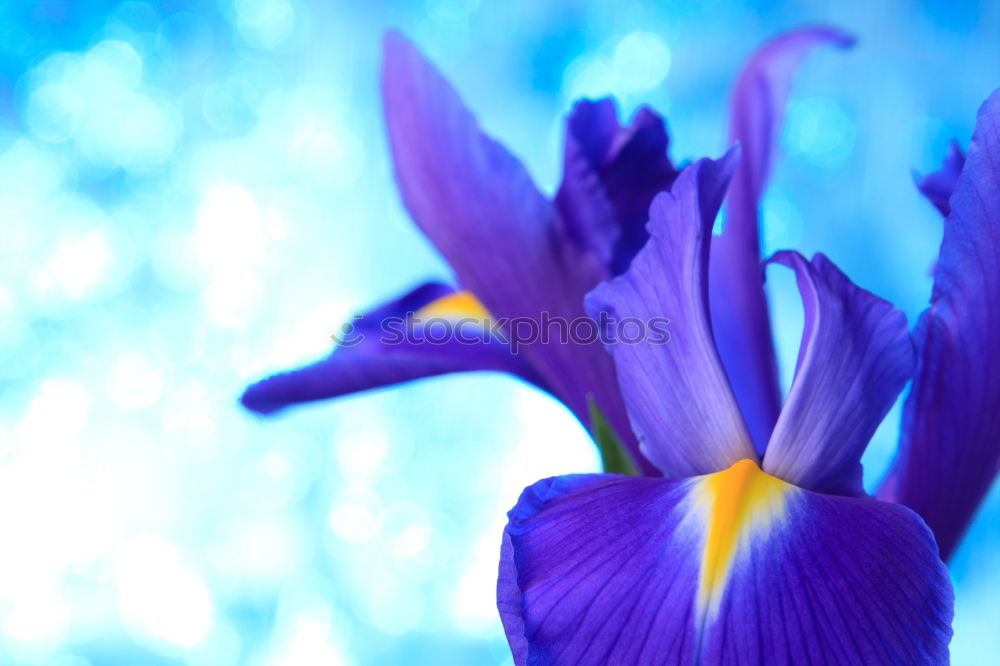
(938, 185)
(855, 357)
(504, 240)
(377, 354)
(950, 450)
(675, 388)
(736, 567)
(610, 177)
(739, 308)
(584, 205)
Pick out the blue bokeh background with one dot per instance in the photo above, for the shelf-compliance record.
(196, 193)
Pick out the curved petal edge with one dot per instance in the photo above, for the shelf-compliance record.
(855, 357)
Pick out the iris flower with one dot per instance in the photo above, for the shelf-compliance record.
(740, 557)
(744, 534)
(518, 255)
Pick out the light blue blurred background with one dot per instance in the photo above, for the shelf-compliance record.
(193, 194)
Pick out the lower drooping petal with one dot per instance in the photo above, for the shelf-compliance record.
(950, 449)
(675, 389)
(389, 346)
(735, 567)
(855, 357)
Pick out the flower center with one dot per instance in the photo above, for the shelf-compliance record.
(739, 504)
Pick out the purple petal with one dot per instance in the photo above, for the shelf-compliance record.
(610, 177)
(736, 567)
(503, 239)
(377, 357)
(677, 394)
(950, 450)
(938, 185)
(593, 126)
(583, 202)
(639, 170)
(599, 570)
(855, 357)
(509, 602)
(739, 308)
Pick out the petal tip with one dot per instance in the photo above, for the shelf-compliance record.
(393, 42)
(254, 402)
(833, 35)
(729, 161)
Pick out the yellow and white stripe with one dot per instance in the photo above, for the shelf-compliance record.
(737, 505)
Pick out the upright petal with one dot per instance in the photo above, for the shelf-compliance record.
(639, 171)
(387, 346)
(735, 567)
(739, 308)
(584, 205)
(950, 450)
(855, 357)
(613, 169)
(676, 391)
(504, 240)
(938, 185)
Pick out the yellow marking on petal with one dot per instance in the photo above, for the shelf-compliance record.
(738, 503)
(458, 305)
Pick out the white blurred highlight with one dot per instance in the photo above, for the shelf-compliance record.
(97, 100)
(159, 597)
(637, 63)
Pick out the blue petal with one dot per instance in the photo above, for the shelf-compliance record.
(611, 175)
(950, 450)
(583, 202)
(377, 357)
(739, 308)
(939, 185)
(736, 567)
(506, 243)
(855, 357)
(676, 391)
